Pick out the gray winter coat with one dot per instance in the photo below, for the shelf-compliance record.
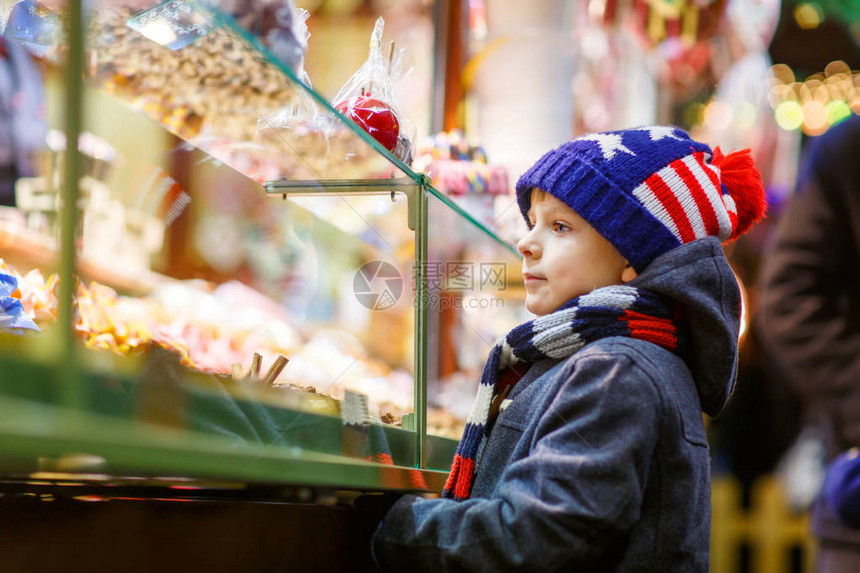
(600, 462)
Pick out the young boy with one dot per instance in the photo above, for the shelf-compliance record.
(585, 449)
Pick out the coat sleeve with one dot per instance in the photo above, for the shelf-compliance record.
(572, 497)
(808, 280)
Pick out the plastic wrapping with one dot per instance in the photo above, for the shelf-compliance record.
(368, 98)
(301, 111)
(39, 295)
(13, 318)
(38, 30)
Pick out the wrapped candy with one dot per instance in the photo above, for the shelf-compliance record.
(13, 319)
(39, 295)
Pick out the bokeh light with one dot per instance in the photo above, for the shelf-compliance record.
(718, 115)
(744, 115)
(808, 15)
(789, 115)
(814, 118)
(816, 103)
(837, 110)
(782, 73)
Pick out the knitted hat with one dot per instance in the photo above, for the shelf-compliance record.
(650, 189)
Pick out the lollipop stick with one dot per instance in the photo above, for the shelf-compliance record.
(390, 56)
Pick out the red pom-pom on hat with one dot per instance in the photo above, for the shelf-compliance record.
(743, 182)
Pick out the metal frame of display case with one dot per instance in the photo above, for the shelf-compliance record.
(57, 443)
(74, 105)
(417, 220)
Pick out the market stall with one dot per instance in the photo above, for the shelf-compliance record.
(228, 290)
(267, 276)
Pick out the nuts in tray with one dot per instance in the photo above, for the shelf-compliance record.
(217, 77)
(226, 98)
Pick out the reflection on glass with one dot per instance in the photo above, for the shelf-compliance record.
(475, 296)
(202, 304)
(266, 338)
(174, 24)
(29, 201)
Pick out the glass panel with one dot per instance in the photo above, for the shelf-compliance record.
(34, 324)
(252, 317)
(212, 315)
(475, 296)
(204, 308)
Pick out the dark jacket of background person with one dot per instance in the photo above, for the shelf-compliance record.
(810, 294)
(600, 463)
(810, 310)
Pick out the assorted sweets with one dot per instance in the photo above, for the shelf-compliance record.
(231, 331)
(25, 299)
(458, 168)
(461, 171)
(219, 93)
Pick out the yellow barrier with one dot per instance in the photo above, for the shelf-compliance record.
(769, 527)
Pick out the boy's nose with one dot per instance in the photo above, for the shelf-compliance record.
(528, 247)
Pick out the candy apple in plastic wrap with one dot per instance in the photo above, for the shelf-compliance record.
(374, 117)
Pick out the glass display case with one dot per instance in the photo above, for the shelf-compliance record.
(228, 281)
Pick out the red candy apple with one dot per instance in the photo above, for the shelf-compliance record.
(374, 117)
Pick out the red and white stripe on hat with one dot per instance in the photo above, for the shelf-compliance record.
(687, 198)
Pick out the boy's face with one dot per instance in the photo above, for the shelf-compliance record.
(564, 257)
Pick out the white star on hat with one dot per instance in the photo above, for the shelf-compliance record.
(658, 132)
(610, 143)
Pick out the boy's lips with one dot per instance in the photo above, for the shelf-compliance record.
(528, 277)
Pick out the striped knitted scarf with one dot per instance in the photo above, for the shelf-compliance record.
(610, 311)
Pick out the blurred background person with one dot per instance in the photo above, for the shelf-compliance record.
(810, 310)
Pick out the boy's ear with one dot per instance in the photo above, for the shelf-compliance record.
(628, 274)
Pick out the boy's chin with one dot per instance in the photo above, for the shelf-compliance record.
(538, 308)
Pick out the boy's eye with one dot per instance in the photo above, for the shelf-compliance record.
(560, 227)
(530, 225)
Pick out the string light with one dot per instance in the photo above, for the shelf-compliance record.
(812, 105)
(816, 103)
